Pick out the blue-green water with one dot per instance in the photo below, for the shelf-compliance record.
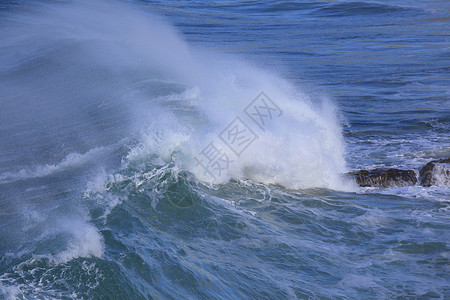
(107, 108)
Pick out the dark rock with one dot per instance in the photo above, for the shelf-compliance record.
(436, 172)
(385, 178)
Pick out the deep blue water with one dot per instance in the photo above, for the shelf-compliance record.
(105, 107)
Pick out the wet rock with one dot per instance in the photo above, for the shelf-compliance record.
(385, 178)
(436, 172)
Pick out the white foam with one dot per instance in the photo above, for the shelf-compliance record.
(85, 241)
(10, 292)
(433, 193)
(71, 160)
(440, 175)
(301, 149)
(97, 190)
(76, 235)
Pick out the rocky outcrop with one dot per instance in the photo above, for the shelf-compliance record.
(436, 172)
(385, 178)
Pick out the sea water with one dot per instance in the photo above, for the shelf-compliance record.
(199, 149)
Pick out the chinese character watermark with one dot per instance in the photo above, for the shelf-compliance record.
(238, 136)
(213, 160)
(261, 110)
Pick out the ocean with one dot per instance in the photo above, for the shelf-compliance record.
(200, 149)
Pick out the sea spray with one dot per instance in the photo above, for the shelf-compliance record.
(173, 97)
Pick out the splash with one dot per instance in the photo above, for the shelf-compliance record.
(134, 73)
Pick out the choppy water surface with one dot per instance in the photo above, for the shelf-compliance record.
(105, 108)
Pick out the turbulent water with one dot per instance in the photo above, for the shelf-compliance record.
(198, 149)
